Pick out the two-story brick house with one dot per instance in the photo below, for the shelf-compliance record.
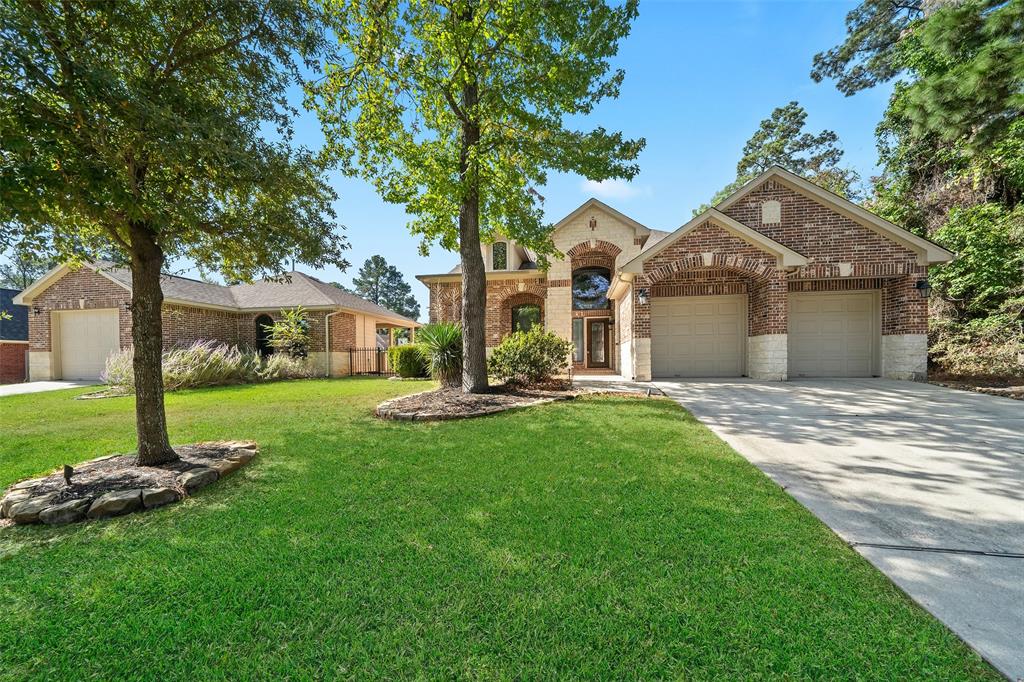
(782, 279)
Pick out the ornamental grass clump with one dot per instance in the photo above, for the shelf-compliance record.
(208, 363)
(442, 346)
(530, 358)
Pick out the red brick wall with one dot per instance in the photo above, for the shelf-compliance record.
(824, 236)
(12, 362)
(736, 268)
(82, 289)
(502, 294)
(183, 325)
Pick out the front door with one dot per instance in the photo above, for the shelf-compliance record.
(597, 343)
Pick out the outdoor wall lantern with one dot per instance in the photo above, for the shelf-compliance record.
(36, 310)
(924, 288)
(642, 296)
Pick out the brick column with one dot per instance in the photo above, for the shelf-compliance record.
(641, 331)
(768, 320)
(904, 329)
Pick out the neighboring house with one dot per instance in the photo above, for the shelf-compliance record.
(13, 338)
(79, 317)
(782, 279)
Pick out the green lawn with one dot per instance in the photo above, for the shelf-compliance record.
(603, 538)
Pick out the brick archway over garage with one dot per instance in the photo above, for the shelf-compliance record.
(760, 269)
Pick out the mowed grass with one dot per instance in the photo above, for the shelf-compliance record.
(603, 538)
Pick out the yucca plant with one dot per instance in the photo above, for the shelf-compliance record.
(442, 345)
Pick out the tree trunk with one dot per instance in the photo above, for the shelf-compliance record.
(147, 337)
(474, 281)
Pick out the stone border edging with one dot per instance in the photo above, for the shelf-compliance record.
(21, 507)
(385, 411)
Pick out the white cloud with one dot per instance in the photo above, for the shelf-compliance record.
(615, 189)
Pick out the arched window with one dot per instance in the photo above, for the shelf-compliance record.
(590, 289)
(499, 256)
(263, 324)
(525, 316)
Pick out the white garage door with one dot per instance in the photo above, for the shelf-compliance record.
(698, 336)
(87, 337)
(832, 335)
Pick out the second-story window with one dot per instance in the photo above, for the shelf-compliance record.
(499, 256)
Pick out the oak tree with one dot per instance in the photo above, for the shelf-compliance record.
(160, 129)
(458, 109)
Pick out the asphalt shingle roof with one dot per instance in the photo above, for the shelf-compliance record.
(290, 290)
(16, 328)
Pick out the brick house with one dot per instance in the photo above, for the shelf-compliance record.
(13, 338)
(781, 279)
(78, 317)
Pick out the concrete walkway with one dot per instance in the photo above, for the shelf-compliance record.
(40, 386)
(926, 482)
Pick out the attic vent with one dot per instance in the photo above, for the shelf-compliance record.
(771, 212)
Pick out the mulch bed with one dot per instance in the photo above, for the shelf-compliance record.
(114, 485)
(1008, 387)
(448, 403)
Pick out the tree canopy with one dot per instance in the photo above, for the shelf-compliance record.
(383, 284)
(160, 129)
(458, 110)
(951, 147)
(781, 140)
(22, 266)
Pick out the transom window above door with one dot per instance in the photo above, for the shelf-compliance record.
(590, 289)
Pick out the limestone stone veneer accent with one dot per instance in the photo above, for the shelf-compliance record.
(905, 357)
(767, 357)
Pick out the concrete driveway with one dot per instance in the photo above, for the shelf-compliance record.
(40, 386)
(926, 482)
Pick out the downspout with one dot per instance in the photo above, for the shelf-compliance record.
(327, 339)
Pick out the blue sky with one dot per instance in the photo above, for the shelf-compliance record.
(700, 76)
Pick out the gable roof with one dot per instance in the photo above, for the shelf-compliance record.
(291, 290)
(597, 203)
(786, 256)
(928, 251)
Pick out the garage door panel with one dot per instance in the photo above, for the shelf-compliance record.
(832, 335)
(87, 338)
(698, 336)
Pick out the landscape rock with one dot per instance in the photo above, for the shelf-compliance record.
(65, 512)
(243, 455)
(30, 483)
(12, 498)
(115, 503)
(227, 466)
(27, 511)
(194, 479)
(156, 497)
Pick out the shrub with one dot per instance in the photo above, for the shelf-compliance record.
(408, 360)
(209, 363)
(290, 334)
(532, 357)
(442, 347)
